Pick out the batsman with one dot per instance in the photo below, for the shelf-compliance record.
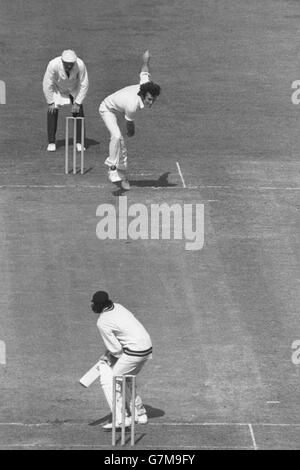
(128, 348)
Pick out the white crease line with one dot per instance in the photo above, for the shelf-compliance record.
(225, 424)
(252, 436)
(241, 188)
(47, 186)
(80, 423)
(291, 425)
(33, 424)
(181, 175)
(103, 186)
(86, 187)
(105, 447)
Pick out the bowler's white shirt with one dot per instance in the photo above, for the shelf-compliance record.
(56, 80)
(127, 100)
(120, 329)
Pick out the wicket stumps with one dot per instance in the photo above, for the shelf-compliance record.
(123, 380)
(68, 119)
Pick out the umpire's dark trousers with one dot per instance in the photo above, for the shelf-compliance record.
(52, 119)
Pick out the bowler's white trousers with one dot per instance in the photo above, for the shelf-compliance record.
(117, 148)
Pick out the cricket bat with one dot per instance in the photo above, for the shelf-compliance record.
(91, 375)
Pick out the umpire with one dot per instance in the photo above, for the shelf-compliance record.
(65, 82)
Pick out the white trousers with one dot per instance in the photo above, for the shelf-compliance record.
(117, 148)
(124, 365)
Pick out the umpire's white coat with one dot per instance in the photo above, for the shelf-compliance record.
(57, 86)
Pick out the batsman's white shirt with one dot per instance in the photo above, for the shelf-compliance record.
(57, 81)
(127, 100)
(123, 333)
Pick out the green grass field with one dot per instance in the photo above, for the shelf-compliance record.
(222, 319)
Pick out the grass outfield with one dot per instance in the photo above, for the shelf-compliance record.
(224, 134)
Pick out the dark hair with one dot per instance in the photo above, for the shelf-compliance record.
(100, 301)
(98, 308)
(149, 87)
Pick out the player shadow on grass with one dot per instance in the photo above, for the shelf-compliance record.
(161, 182)
(88, 142)
(151, 413)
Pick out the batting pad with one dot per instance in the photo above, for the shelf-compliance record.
(139, 407)
(106, 378)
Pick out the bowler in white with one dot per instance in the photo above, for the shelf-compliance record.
(125, 104)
